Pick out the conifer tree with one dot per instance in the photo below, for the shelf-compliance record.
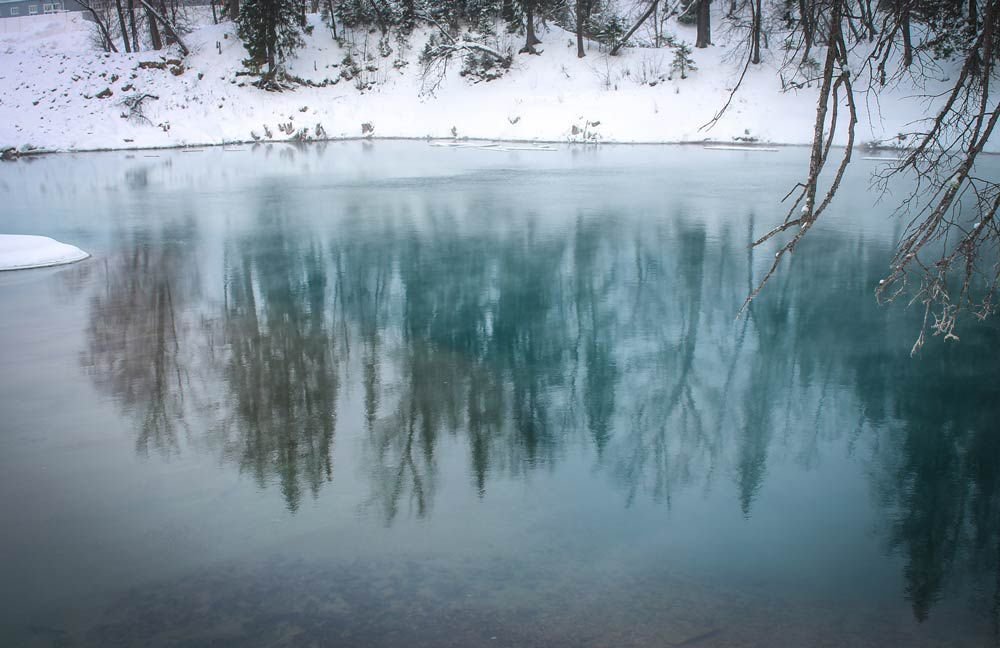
(271, 31)
(682, 62)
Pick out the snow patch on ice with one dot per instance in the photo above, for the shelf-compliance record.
(20, 252)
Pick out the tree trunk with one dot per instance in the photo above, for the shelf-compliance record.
(904, 20)
(154, 31)
(532, 37)
(868, 16)
(656, 27)
(805, 20)
(215, 16)
(582, 9)
(530, 40)
(122, 25)
(131, 22)
(272, 40)
(704, 24)
(233, 9)
(171, 30)
(973, 16)
(757, 20)
(162, 10)
(333, 18)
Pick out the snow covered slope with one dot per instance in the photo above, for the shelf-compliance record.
(58, 93)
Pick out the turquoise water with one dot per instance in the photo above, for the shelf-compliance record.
(390, 394)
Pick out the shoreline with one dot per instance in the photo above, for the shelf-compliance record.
(735, 146)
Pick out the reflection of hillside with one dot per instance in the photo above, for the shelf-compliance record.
(612, 334)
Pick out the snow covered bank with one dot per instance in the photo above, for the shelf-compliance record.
(20, 252)
(58, 93)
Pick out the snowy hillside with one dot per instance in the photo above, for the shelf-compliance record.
(57, 92)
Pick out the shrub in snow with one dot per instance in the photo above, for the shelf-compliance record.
(348, 68)
(651, 70)
(483, 66)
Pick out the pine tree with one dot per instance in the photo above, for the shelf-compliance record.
(271, 31)
(682, 63)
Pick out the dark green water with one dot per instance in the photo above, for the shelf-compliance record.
(396, 395)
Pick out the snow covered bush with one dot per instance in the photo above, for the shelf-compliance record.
(483, 57)
(483, 66)
(650, 70)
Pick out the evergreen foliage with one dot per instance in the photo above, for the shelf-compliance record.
(605, 25)
(271, 31)
(682, 62)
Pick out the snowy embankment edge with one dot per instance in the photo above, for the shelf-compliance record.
(472, 142)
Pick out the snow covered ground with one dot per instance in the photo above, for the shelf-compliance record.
(18, 252)
(58, 93)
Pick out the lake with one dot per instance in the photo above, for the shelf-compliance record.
(390, 394)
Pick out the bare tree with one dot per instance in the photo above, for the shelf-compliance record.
(836, 77)
(167, 25)
(154, 31)
(121, 23)
(757, 8)
(948, 251)
(131, 18)
(95, 7)
(948, 188)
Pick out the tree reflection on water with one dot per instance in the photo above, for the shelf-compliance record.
(522, 340)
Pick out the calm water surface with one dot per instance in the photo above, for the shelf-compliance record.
(395, 395)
